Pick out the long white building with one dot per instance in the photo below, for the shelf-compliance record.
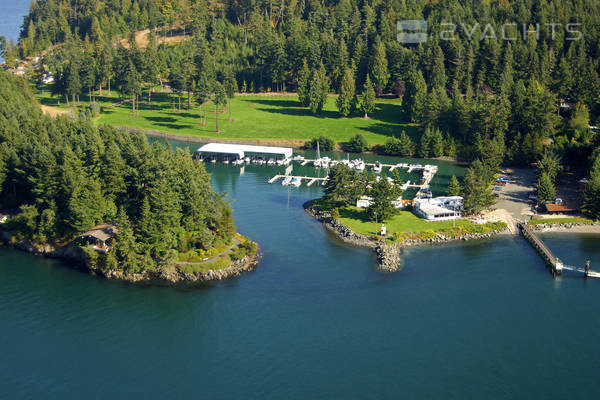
(439, 208)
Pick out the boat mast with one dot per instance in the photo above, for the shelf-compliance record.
(318, 151)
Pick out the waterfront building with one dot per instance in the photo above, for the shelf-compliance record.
(438, 208)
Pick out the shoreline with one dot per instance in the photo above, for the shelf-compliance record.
(389, 257)
(568, 227)
(296, 144)
(171, 275)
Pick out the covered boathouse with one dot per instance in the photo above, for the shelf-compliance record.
(227, 151)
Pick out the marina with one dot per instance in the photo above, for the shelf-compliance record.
(239, 154)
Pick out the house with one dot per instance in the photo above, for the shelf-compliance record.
(438, 208)
(49, 78)
(559, 209)
(101, 237)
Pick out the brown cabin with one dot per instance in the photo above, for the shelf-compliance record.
(101, 237)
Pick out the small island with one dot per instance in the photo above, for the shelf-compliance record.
(116, 204)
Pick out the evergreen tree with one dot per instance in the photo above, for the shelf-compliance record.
(345, 101)
(367, 101)
(319, 89)
(546, 190)
(454, 188)
(344, 185)
(405, 145)
(304, 84)
(415, 97)
(219, 99)
(357, 144)
(383, 193)
(379, 70)
(476, 188)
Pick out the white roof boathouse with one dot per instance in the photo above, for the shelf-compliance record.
(439, 208)
(241, 151)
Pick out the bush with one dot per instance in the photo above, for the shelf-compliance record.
(325, 143)
(357, 144)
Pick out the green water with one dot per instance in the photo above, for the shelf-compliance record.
(314, 320)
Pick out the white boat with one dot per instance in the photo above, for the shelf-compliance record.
(271, 161)
(359, 165)
(286, 181)
(226, 161)
(296, 182)
(378, 167)
(247, 160)
(213, 160)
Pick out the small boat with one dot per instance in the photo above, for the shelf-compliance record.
(296, 182)
(359, 165)
(378, 167)
(247, 160)
(286, 181)
(271, 161)
(213, 160)
(226, 161)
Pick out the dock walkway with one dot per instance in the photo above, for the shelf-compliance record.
(556, 265)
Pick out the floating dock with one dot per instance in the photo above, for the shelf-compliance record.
(311, 179)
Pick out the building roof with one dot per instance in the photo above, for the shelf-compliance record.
(102, 232)
(558, 208)
(241, 149)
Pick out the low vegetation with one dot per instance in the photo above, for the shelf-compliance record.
(565, 220)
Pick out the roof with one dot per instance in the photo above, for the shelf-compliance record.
(241, 149)
(102, 232)
(558, 208)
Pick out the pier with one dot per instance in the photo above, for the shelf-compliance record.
(555, 264)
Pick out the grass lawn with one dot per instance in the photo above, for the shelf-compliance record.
(565, 220)
(254, 117)
(405, 224)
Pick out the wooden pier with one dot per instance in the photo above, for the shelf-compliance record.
(555, 264)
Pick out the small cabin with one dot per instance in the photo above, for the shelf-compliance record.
(101, 237)
(559, 209)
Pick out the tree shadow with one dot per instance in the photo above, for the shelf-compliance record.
(161, 119)
(353, 213)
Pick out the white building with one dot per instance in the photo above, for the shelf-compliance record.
(438, 208)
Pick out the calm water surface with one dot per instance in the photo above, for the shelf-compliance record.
(315, 320)
(469, 321)
(11, 18)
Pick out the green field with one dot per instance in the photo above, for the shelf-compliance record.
(256, 118)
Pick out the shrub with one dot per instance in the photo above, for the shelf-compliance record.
(357, 144)
(325, 143)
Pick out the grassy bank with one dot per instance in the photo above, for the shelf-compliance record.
(254, 118)
(405, 225)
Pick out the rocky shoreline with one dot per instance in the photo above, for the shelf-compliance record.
(389, 256)
(573, 227)
(172, 275)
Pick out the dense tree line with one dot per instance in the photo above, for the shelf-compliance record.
(495, 98)
(66, 176)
